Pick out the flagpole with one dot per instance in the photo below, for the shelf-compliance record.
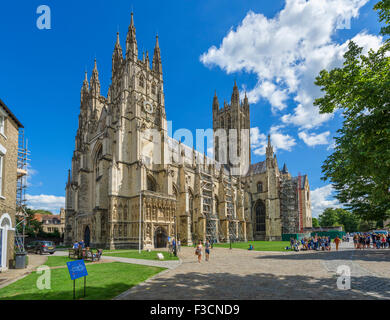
(140, 210)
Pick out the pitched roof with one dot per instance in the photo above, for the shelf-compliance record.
(7, 110)
(256, 168)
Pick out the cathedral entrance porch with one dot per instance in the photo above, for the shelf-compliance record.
(160, 238)
(87, 236)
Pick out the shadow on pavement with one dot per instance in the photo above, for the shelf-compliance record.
(220, 286)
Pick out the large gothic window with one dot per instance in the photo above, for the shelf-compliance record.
(260, 216)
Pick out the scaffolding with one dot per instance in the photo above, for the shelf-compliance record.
(22, 167)
(300, 203)
(241, 234)
(221, 235)
(289, 206)
(211, 217)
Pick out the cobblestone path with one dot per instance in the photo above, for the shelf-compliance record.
(241, 274)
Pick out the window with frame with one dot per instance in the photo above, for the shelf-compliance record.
(259, 187)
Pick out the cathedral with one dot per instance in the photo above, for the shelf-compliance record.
(132, 185)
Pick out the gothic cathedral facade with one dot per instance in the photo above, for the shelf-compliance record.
(119, 196)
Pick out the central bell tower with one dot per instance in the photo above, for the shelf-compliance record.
(234, 119)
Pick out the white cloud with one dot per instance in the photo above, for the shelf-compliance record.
(312, 139)
(321, 198)
(288, 51)
(278, 140)
(45, 202)
(258, 141)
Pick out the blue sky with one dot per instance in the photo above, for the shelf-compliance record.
(271, 48)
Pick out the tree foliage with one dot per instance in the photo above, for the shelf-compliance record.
(32, 227)
(315, 223)
(339, 217)
(359, 167)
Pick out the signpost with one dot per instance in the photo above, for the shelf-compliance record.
(77, 270)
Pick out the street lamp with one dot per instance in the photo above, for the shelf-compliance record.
(140, 220)
(175, 247)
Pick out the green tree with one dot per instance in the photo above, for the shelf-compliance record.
(33, 227)
(315, 223)
(359, 167)
(348, 220)
(328, 218)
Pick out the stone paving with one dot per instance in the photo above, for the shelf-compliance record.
(12, 275)
(248, 275)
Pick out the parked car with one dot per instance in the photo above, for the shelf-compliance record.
(41, 247)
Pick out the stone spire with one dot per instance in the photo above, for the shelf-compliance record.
(235, 95)
(94, 82)
(117, 56)
(85, 86)
(269, 149)
(147, 62)
(69, 179)
(215, 102)
(131, 41)
(246, 101)
(285, 169)
(157, 65)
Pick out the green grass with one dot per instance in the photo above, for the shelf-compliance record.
(127, 253)
(56, 261)
(258, 245)
(104, 281)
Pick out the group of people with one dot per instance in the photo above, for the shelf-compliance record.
(313, 243)
(374, 240)
(79, 244)
(199, 250)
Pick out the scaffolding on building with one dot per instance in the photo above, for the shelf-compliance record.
(211, 217)
(288, 206)
(221, 235)
(241, 234)
(21, 215)
(300, 203)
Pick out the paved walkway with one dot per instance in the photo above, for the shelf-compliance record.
(12, 275)
(153, 263)
(242, 274)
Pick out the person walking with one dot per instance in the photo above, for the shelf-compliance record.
(337, 242)
(198, 250)
(178, 245)
(207, 250)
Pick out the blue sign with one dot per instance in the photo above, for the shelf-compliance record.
(77, 269)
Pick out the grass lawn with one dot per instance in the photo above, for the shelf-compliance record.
(258, 245)
(56, 261)
(104, 282)
(128, 253)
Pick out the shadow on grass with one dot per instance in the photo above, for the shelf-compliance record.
(258, 286)
(92, 293)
